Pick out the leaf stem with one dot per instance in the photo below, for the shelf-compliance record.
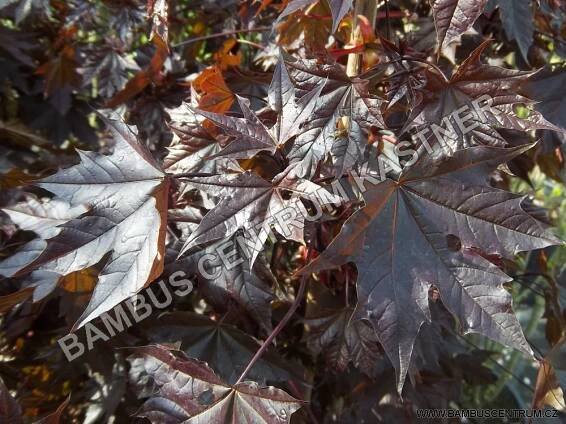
(279, 327)
(432, 65)
(220, 34)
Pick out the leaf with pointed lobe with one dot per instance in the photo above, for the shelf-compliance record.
(125, 195)
(483, 97)
(338, 8)
(341, 340)
(251, 135)
(144, 77)
(294, 6)
(292, 112)
(223, 346)
(43, 217)
(213, 93)
(546, 88)
(454, 17)
(225, 58)
(232, 279)
(401, 244)
(341, 97)
(407, 76)
(193, 145)
(306, 29)
(255, 205)
(187, 390)
(518, 22)
(124, 18)
(110, 69)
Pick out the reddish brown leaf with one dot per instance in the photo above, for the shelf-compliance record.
(143, 78)
(10, 300)
(214, 94)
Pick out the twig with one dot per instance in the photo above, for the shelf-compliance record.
(432, 65)
(220, 34)
(279, 327)
(250, 43)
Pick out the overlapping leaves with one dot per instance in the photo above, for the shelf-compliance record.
(112, 204)
(181, 389)
(433, 234)
(484, 97)
(430, 229)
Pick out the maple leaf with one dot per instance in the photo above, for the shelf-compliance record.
(251, 135)
(338, 8)
(517, 19)
(125, 195)
(341, 341)
(61, 77)
(110, 68)
(124, 16)
(407, 76)
(307, 28)
(223, 346)
(144, 77)
(251, 288)
(291, 113)
(212, 92)
(341, 96)
(253, 204)
(474, 86)
(546, 88)
(224, 57)
(402, 243)
(454, 17)
(192, 145)
(43, 218)
(189, 390)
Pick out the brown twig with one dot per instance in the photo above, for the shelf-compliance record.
(220, 34)
(279, 327)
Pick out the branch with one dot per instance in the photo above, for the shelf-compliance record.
(279, 327)
(220, 34)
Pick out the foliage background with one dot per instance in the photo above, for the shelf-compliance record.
(60, 61)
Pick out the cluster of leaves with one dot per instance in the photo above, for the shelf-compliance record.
(343, 281)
